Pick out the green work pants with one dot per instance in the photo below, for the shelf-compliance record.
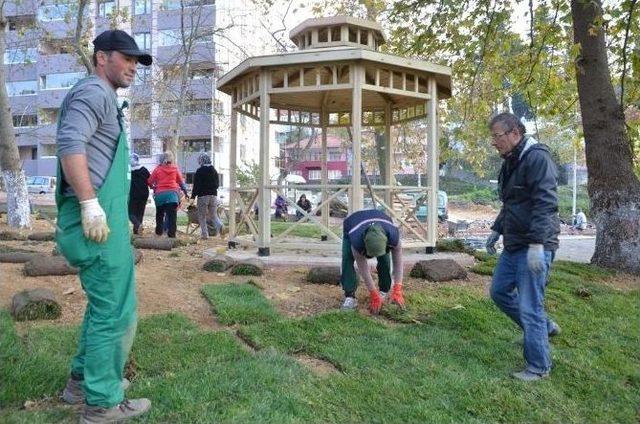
(349, 277)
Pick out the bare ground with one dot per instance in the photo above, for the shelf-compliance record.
(171, 282)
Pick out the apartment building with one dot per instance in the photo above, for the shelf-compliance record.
(41, 66)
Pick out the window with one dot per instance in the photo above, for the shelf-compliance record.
(334, 155)
(141, 112)
(142, 7)
(169, 37)
(198, 107)
(219, 107)
(47, 116)
(197, 74)
(55, 46)
(105, 8)
(143, 40)
(175, 4)
(315, 174)
(198, 145)
(28, 55)
(65, 80)
(25, 120)
(143, 76)
(22, 88)
(21, 23)
(53, 12)
(141, 146)
(334, 174)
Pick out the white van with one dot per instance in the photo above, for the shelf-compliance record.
(41, 184)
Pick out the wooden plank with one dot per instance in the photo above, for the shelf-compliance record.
(396, 91)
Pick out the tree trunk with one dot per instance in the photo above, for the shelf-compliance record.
(613, 187)
(18, 214)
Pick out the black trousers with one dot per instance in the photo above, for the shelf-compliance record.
(136, 212)
(170, 211)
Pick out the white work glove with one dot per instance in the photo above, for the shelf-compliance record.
(94, 221)
(491, 242)
(535, 258)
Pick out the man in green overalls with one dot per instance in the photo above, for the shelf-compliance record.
(92, 229)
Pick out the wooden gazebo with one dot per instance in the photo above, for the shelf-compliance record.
(337, 78)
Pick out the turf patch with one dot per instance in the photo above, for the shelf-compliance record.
(239, 303)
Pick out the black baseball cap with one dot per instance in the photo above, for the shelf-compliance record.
(118, 40)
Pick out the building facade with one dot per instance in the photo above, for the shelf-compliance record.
(41, 66)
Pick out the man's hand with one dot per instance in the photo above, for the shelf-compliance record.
(396, 295)
(535, 258)
(375, 302)
(94, 221)
(491, 242)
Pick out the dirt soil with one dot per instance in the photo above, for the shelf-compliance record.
(171, 282)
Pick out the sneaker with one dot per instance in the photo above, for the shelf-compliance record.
(349, 304)
(527, 375)
(383, 295)
(123, 411)
(73, 392)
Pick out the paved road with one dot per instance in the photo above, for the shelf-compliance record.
(576, 248)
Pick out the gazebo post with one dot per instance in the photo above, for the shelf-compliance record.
(388, 163)
(264, 192)
(355, 198)
(432, 167)
(325, 207)
(233, 182)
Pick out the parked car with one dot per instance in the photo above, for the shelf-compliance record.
(41, 184)
(443, 207)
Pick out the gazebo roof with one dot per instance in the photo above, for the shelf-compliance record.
(312, 23)
(338, 54)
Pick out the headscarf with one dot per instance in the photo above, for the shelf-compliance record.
(375, 241)
(134, 160)
(204, 159)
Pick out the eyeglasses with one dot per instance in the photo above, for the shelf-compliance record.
(498, 135)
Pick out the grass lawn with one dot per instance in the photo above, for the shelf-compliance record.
(447, 358)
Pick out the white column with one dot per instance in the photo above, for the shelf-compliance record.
(356, 200)
(432, 166)
(233, 183)
(323, 124)
(264, 196)
(388, 162)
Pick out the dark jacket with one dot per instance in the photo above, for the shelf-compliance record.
(139, 188)
(528, 189)
(205, 182)
(356, 224)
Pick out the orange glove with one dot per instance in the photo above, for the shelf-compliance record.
(375, 302)
(396, 295)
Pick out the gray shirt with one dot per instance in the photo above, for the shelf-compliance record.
(89, 125)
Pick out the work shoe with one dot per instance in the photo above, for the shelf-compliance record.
(350, 303)
(128, 408)
(73, 392)
(383, 295)
(527, 375)
(375, 302)
(555, 329)
(396, 295)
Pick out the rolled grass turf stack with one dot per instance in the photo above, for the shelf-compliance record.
(35, 304)
(248, 267)
(219, 263)
(48, 265)
(17, 257)
(12, 236)
(324, 275)
(438, 270)
(43, 236)
(153, 243)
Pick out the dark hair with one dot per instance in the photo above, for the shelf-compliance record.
(94, 58)
(509, 121)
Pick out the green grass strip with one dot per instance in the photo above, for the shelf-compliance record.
(239, 303)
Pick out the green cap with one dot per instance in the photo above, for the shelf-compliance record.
(375, 241)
